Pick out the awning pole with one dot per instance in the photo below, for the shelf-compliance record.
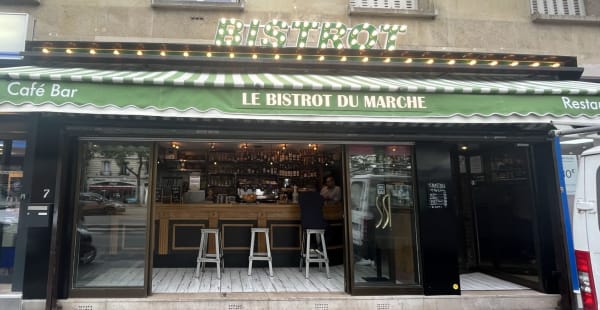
(565, 132)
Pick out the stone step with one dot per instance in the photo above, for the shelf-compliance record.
(480, 300)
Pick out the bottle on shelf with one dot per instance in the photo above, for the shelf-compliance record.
(295, 194)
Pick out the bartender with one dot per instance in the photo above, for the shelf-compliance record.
(331, 192)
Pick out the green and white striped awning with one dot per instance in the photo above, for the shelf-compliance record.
(293, 96)
(303, 81)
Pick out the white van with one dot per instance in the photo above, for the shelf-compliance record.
(586, 227)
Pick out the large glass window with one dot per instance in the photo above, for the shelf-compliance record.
(12, 155)
(112, 213)
(383, 215)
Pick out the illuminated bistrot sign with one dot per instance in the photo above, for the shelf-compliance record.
(277, 33)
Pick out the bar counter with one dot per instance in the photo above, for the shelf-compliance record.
(178, 231)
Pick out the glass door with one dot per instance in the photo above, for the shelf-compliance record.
(382, 216)
(12, 157)
(111, 217)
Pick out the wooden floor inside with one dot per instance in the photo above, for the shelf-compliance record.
(181, 280)
(236, 280)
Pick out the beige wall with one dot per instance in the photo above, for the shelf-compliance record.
(470, 25)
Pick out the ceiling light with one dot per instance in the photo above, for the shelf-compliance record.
(451, 61)
(186, 54)
(514, 63)
(45, 50)
(535, 64)
(430, 61)
(344, 58)
(365, 59)
(140, 53)
(408, 60)
(494, 63)
(209, 54)
(116, 52)
(68, 51)
(93, 51)
(473, 62)
(555, 65)
(299, 57)
(321, 58)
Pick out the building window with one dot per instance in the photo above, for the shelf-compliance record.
(105, 168)
(208, 4)
(385, 4)
(404, 8)
(558, 7)
(124, 170)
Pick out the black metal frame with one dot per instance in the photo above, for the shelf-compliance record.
(153, 129)
(73, 261)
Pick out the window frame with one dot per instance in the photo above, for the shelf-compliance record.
(558, 4)
(582, 19)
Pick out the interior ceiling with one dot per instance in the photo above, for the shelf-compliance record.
(193, 146)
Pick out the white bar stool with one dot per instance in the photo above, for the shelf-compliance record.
(260, 255)
(205, 257)
(314, 255)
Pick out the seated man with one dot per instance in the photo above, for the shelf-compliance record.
(331, 192)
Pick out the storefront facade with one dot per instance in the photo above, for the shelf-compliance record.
(467, 166)
(431, 116)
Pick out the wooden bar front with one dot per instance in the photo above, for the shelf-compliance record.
(178, 232)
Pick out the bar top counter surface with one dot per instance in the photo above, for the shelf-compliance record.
(250, 211)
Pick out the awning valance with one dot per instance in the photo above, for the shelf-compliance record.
(293, 96)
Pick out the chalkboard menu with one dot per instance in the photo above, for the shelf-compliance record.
(437, 195)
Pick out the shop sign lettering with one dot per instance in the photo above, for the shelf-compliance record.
(583, 104)
(337, 101)
(307, 34)
(35, 89)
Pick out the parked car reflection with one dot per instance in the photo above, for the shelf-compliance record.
(87, 252)
(95, 204)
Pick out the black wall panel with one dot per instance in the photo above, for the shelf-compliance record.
(438, 220)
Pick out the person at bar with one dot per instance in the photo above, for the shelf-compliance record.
(331, 192)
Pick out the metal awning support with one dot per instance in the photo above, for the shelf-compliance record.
(566, 132)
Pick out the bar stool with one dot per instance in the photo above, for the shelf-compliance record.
(314, 255)
(205, 257)
(313, 223)
(260, 255)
